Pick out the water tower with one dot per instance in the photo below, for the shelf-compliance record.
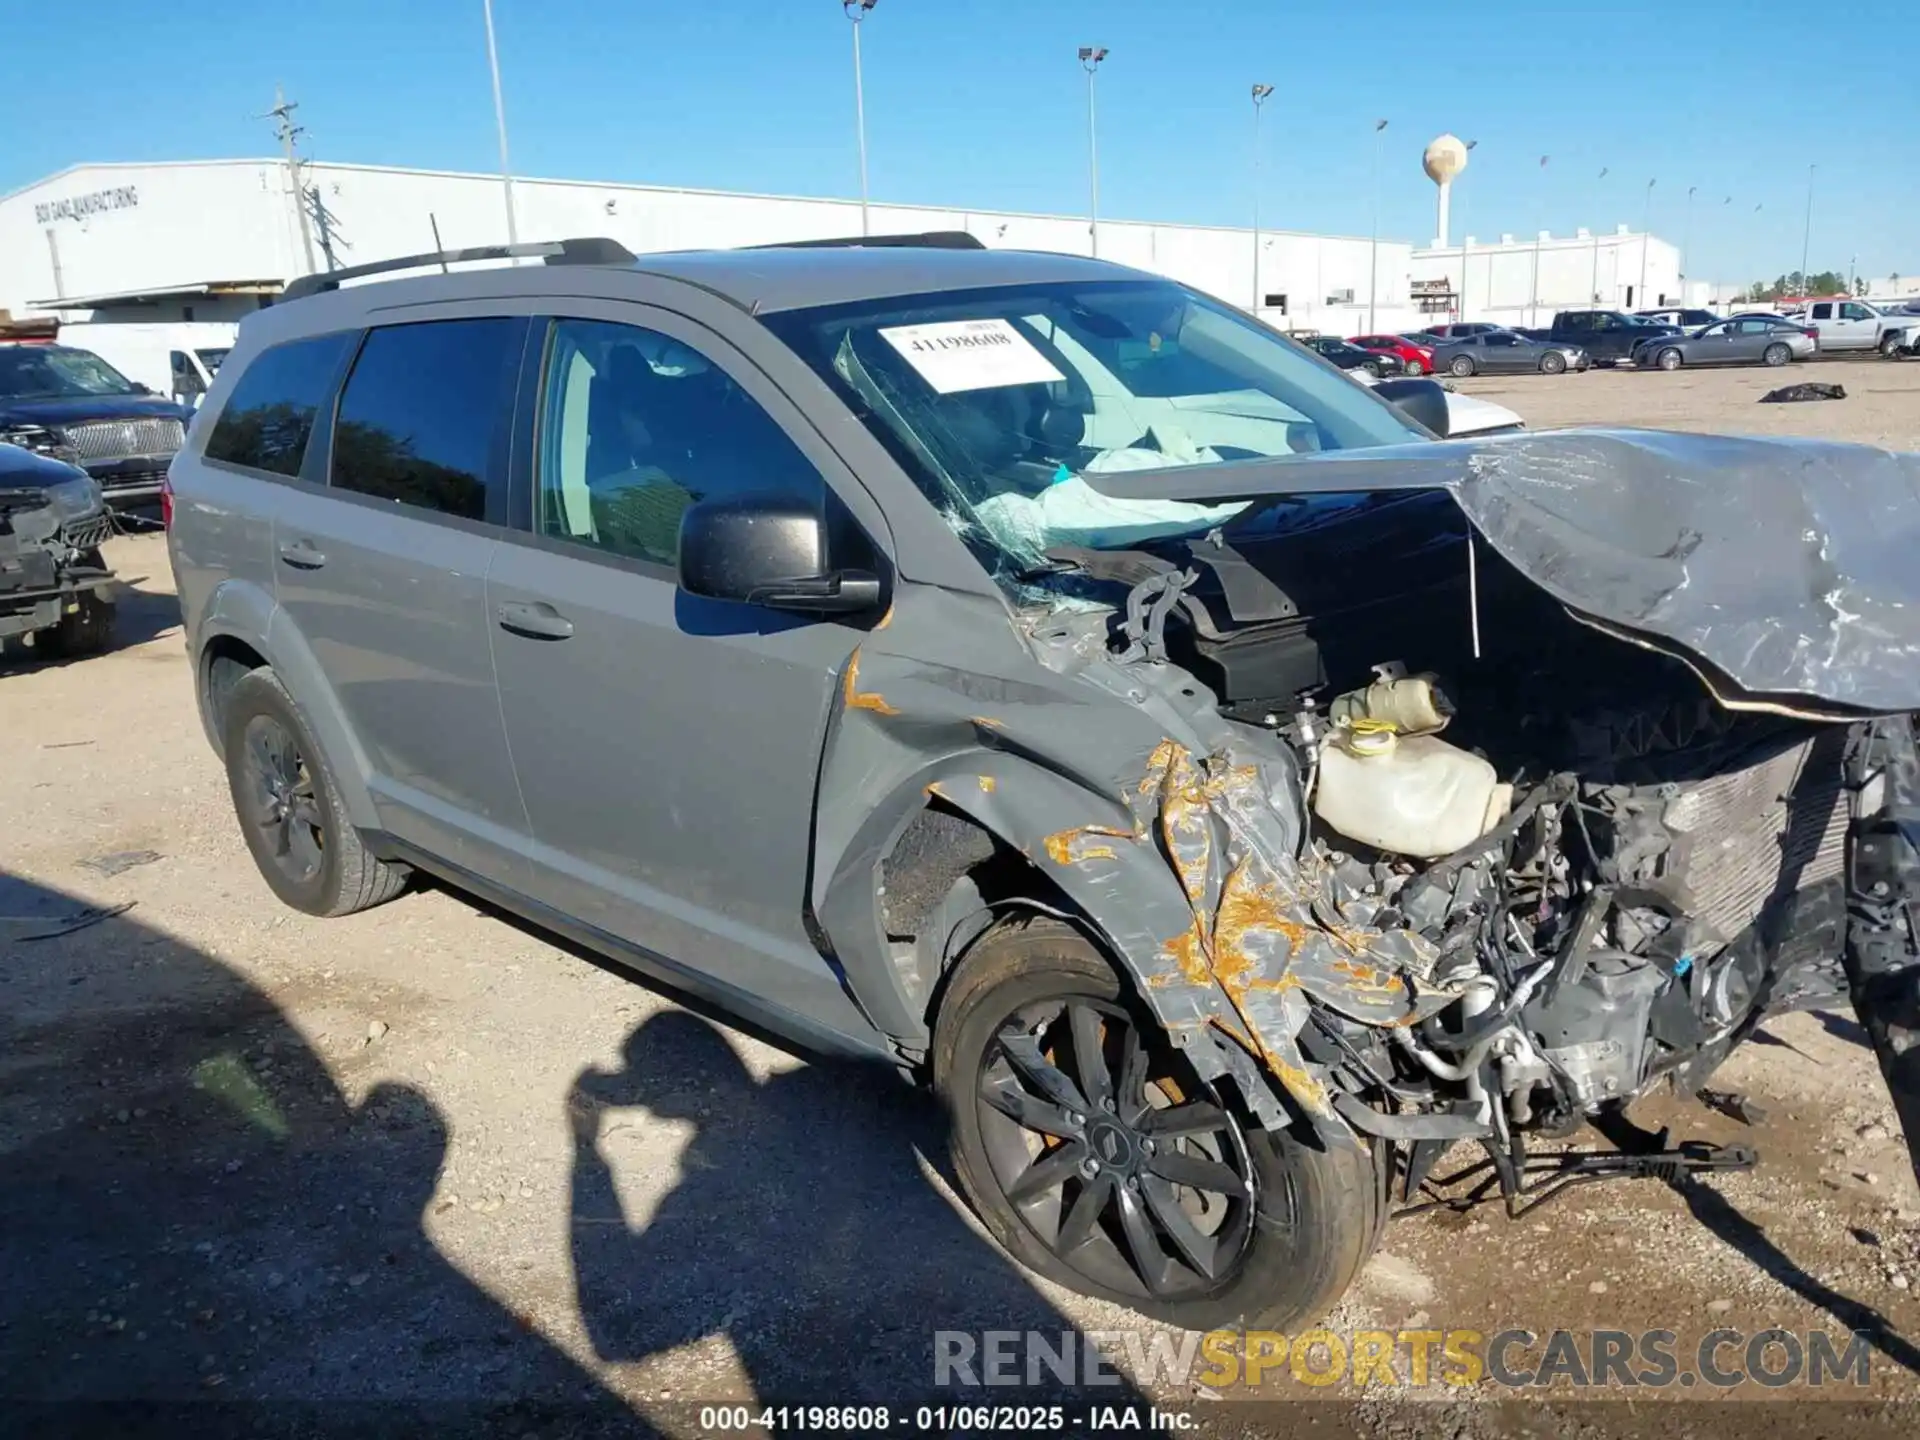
(1444, 159)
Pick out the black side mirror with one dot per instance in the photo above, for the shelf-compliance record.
(1422, 400)
(767, 550)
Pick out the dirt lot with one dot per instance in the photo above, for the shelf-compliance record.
(427, 1156)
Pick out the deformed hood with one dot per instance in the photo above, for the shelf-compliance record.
(1786, 568)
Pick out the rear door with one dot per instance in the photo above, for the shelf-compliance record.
(383, 570)
(668, 746)
(1835, 333)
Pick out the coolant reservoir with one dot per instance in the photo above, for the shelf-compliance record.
(1407, 794)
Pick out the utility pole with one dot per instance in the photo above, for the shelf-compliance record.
(500, 123)
(282, 115)
(1260, 93)
(1090, 58)
(1373, 255)
(856, 11)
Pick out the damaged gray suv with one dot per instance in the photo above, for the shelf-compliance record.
(1047, 681)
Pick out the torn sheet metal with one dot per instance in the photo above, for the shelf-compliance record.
(1176, 834)
(1232, 836)
(1785, 566)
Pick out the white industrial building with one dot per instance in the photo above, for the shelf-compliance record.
(1522, 282)
(211, 240)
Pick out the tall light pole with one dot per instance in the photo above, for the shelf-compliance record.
(1806, 237)
(1594, 287)
(1686, 240)
(500, 123)
(856, 11)
(1260, 93)
(1090, 58)
(1463, 255)
(1373, 277)
(1533, 299)
(1646, 232)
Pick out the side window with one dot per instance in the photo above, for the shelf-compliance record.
(1823, 311)
(1855, 312)
(266, 421)
(1502, 340)
(635, 427)
(419, 416)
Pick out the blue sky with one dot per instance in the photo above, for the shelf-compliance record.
(981, 103)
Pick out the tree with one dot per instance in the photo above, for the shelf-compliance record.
(1860, 286)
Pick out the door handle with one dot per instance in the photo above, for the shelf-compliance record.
(302, 555)
(535, 619)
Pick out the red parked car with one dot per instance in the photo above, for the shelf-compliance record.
(1418, 358)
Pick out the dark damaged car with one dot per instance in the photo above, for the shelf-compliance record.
(1050, 683)
(56, 592)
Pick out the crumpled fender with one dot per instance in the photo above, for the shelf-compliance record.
(1179, 848)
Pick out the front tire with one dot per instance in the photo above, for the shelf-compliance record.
(1776, 355)
(1415, 368)
(1553, 363)
(1670, 360)
(289, 806)
(1461, 366)
(85, 630)
(1098, 1160)
(1889, 347)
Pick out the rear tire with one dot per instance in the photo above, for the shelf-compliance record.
(1553, 363)
(1776, 355)
(1461, 366)
(1014, 1007)
(289, 806)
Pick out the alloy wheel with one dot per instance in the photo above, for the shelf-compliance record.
(1124, 1176)
(279, 800)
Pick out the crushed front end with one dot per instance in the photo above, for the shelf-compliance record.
(52, 525)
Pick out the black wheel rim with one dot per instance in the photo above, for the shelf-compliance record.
(278, 800)
(1132, 1179)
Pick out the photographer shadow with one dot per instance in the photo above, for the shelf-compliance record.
(804, 1229)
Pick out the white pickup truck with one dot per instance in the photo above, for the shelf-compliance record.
(1856, 325)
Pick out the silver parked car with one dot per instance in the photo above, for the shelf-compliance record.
(1505, 352)
(1021, 672)
(1748, 340)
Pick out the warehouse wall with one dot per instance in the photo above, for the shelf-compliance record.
(234, 220)
(1502, 283)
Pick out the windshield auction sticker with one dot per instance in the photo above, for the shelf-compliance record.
(971, 355)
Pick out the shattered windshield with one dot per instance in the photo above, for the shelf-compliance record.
(34, 372)
(1000, 402)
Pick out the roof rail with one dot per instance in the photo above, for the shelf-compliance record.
(592, 250)
(929, 240)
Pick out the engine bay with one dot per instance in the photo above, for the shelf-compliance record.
(1619, 874)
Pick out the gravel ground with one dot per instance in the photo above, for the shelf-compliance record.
(429, 1157)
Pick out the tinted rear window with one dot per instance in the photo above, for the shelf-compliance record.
(422, 411)
(268, 417)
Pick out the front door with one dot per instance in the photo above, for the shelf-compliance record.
(668, 747)
(1504, 352)
(384, 574)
